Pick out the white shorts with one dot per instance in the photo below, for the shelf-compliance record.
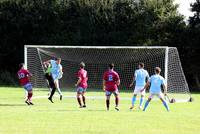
(160, 95)
(138, 89)
(108, 93)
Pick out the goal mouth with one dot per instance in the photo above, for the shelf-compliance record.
(126, 60)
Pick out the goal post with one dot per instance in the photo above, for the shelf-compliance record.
(97, 58)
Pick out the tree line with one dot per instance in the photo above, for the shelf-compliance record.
(97, 22)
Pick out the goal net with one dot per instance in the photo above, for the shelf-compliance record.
(126, 61)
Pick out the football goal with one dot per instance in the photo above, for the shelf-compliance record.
(97, 58)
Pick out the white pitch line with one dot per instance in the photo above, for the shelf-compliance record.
(100, 98)
(88, 97)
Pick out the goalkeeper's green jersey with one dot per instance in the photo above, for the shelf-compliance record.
(48, 69)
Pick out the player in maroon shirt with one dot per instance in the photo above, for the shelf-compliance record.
(81, 84)
(23, 76)
(111, 81)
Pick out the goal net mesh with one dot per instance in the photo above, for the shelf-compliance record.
(126, 61)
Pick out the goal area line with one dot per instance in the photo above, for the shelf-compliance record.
(101, 98)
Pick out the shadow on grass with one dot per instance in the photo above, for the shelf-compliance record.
(78, 110)
(10, 105)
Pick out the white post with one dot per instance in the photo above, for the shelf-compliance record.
(40, 60)
(166, 63)
(25, 56)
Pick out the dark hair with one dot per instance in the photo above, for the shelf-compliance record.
(111, 66)
(157, 70)
(54, 58)
(141, 64)
(82, 65)
(21, 65)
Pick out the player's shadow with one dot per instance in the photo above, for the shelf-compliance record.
(10, 105)
(65, 110)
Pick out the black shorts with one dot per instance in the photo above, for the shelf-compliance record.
(50, 80)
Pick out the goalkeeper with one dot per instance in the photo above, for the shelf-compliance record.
(50, 82)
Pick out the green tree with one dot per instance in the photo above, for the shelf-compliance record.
(193, 49)
(87, 22)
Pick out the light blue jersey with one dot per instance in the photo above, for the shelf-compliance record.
(156, 82)
(140, 77)
(55, 69)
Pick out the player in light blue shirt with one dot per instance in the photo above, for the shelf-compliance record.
(56, 69)
(56, 73)
(140, 78)
(155, 82)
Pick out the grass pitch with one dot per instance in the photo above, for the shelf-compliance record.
(65, 117)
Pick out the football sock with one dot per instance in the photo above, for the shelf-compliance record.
(133, 100)
(166, 106)
(30, 96)
(79, 101)
(141, 101)
(116, 101)
(83, 99)
(145, 106)
(107, 104)
(52, 92)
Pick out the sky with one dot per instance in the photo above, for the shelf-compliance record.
(184, 7)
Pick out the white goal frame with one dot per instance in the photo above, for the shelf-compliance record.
(167, 51)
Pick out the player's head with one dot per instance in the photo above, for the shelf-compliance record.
(141, 65)
(157, 70)
(111, 66)
(82, 65)
(21, 65)
(58, 60)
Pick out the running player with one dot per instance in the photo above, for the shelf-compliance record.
(140, 78)
(155, 83)
(111, 81)
(81, 85)
(23, 76)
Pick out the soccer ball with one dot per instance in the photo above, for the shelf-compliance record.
(172, 100)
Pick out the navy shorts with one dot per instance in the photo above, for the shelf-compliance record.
(28, 87)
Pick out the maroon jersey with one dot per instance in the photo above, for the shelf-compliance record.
(23, 75)
(111, 77)
(82, 74)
